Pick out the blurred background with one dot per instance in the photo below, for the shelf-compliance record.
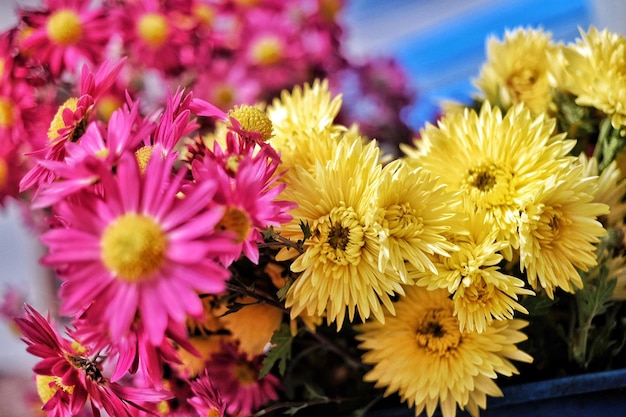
(440, 44)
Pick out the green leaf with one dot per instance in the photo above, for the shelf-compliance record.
(280, 351)
(282, 292)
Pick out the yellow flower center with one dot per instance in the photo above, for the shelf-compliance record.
(253, 119)
(232, 163)
(438, 331)
(403, 221)
(153, 29)
(143, 155)
(163, 407)
(106, 106)
(133, 247)
(57, 121)
(213, 412)
(529, 86)
(550, 226)
(489, 185)
(6, 112)
(224, 96)
(267, 50)
(237, 221)
(204, 13)
(341, 236)
(64, 27)
(4, 173)
(244, 373)
(47, 386)
(329, 9)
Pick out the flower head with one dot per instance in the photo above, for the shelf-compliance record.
(235, 375)
(471, 274)
(339, 266)
(421, 353)
(559, 230)
(518, 70)
(595, 72)
(67, 377)
(67, 35)
(137, 249)
(496, 160)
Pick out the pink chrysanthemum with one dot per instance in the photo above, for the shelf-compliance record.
(134, 353)
(70, 122)
(67, 377)
(68, 34)
(236, 378)
(97, 151)
(247, 188)
(206, 400)
(140, 250)
(152, 36)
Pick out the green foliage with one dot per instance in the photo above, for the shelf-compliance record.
(280, 351)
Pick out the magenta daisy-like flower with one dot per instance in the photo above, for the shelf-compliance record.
(67, 377)
(236, 378)
(206, 399)
(152, 35)
(70, 122)
(139, 250)
(247, 188)
(68, 34)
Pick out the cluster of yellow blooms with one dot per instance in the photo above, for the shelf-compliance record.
(435, 249)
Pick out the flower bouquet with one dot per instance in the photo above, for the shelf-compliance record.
(270, 259)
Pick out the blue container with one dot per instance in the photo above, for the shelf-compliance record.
(601, 394)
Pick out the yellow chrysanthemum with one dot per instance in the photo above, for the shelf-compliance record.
(559, 230)
(494, 160)
(339, 266)
(304, 132)
(304, 109)
(517, 69)
(422, 354)
(611, 188)
(481, 291)
(595, 72)
(414, 214)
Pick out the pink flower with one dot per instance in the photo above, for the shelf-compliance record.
(97, 151)
(70, 123)
(247, 187)
(152, 36)
(206, 399)
(67, 34)
(67, 377)
(127, 252)
(236, 378)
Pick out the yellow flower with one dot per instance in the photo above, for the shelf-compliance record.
(611, 188)
(559, 230)
(518, 69)
(494, 160)
(595, 72)
(304, 109)
(481, 292)
(304, 132)
(422, 354)
(414, 214)
(338, 269)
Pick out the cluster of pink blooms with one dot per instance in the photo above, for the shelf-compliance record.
(95, 101)
(134, 235)
(230, 52)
